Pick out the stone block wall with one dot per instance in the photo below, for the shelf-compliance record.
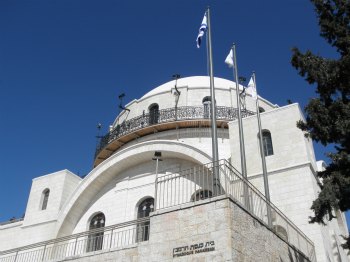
(252, 241)
(218, 230)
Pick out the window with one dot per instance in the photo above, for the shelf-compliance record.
(202, 194)
(206, 104)
(144, 209)
(95, 240)
(267, 143)
(153, 114)
(45, 198)
(261, 110)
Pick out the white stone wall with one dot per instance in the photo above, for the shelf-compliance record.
(288, 141)
(9, 235)
(61, 184)
(39, 225)
(291, 171)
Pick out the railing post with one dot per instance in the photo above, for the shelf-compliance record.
(43, 256)
(155, 193)
(269, 216)
(157, 158)
(225, 177)
(110, 243)
(298, 241)
(16, 256)
(246, 194)
(195, 183)
(75, 246)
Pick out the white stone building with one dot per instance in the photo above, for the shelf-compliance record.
(152, 195)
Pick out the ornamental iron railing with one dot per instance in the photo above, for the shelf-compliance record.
(157, 117)
(101, 239)
(199, 184)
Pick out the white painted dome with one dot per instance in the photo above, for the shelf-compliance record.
(192, 82)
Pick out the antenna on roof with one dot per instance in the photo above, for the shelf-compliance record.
(242, 95)
(176, 77)
(241, 80)
(98, 136)
(121, 102)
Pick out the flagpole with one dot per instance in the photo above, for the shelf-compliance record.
(263, 161)
(240, 127)
(213, 107)
(240, 124)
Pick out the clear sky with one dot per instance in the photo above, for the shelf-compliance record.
(63, 64)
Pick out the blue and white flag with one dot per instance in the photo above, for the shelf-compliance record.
(229, 59)
(251, 89)
(202, 30)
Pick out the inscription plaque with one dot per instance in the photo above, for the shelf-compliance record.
(203, 247)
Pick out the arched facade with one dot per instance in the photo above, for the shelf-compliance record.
(115, 171)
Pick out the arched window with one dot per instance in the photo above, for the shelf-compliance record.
(261, 110)
(201, 194)
(144, 209)
(206, 104)
(95, 239)
(153, 114)
(45, 198)
(267, 143)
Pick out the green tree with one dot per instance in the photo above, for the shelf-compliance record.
(328, 115)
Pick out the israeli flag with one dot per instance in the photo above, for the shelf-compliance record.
(202, 30)
(229, 59)
(251, 89)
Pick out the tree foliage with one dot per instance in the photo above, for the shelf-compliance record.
(328, 115)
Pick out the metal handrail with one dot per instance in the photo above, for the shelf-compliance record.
(270, 203)
(168, 115)
(199, 183)
(65, 239)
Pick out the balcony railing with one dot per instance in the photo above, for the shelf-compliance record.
(101, 239)
(199, 184)
(168, 115)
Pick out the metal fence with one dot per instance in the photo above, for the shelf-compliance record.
(199, 184)
(111, 237)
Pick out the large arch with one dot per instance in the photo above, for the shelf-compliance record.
(105, 172)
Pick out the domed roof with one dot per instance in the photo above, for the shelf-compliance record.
(192, 82)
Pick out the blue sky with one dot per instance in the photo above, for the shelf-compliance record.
(64, 63)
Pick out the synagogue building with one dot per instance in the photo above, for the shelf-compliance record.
(155, 194)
